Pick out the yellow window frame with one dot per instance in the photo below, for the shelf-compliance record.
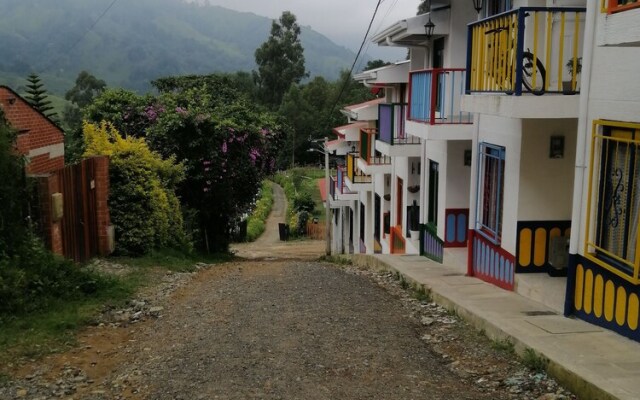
(590, 246)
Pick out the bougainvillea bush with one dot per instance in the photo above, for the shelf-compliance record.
(225, 144)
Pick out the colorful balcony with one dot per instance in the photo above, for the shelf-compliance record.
(435, 96)
(393, 139)
(370, 160)
(614, 6)
(339, 192)
(356, 179)
(534, 50)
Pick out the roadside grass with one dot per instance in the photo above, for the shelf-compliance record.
(534, 361)
(256, 223)
(301, 182)
(503, 346)
(54, 328)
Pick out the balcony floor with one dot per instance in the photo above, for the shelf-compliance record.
(527, 106)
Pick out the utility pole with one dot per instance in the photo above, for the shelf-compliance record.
(327, 206)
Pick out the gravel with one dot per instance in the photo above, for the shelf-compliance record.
(281, 329)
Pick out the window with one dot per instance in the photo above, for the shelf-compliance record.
(490, 191)
(615, 174)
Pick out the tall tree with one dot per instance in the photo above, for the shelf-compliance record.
(280, 60)
(424, 6)
(373, 64)
(87, 87)
(37, 96)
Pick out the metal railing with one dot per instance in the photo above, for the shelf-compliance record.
(332, 187)
(368, 148)
(435, 95)
(353, 172)
(391, 124)
(535, 48)
(431, 246)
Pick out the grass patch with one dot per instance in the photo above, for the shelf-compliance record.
(534, 361)
(336, 260)
(422, 294)
(503, 345)
(53, 327)
(258, 218)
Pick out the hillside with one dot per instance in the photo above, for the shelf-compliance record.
(137, 41)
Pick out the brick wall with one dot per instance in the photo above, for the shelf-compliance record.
(39, 138)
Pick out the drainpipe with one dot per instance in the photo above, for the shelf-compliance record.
(581, 153)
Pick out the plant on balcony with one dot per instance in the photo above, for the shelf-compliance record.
(567, 85)
(387, 197)
(413, 189)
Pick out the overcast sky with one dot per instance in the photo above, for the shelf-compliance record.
(343, 21)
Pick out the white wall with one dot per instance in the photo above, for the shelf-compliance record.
(546, 184)
(462, 13)
(458, 175)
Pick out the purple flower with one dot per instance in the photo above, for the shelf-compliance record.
(224, 147)
(181, 111)
(254, 154)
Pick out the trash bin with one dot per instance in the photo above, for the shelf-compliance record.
(283, 230)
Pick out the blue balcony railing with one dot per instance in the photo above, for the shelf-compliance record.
(530, 49)
(435, 96)
(391, 125)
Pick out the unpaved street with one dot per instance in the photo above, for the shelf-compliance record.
(280, 325)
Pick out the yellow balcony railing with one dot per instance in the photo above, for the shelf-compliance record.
(538, 49)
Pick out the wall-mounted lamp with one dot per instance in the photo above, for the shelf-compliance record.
(353, 149)
(556, 146)
(477, 4)
(429, 27)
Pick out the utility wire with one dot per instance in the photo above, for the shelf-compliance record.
(377, 30)
(348, 80)
(81, 38)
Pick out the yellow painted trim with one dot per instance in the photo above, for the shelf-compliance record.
(589, 244)
(577, 295)
(609, 300)
(632, 311)
(621, 306)
(525, 247)
(561, 49)
(548, 58)
(598, 295)
(588, 291)
(540, 247)
(576, 35)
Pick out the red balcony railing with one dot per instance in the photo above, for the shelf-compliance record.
(435, 96)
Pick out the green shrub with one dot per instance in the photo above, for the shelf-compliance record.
(303, 202)
(142, 200)
(256, 222)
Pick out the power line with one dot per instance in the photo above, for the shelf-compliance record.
(348, 80)
(377, 30)
(81, 38)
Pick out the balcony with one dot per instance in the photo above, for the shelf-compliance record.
(370, 160)
(356, 179)
(435, 96)
(339, 193)
(435, 111)
(393, 139)
(529, 50)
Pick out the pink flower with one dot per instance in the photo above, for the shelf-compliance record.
(224, 147)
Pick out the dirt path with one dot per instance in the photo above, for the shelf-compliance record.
(279, 325)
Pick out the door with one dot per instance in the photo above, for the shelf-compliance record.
(399, 205)
(434, 177)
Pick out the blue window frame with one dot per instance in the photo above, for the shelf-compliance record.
(490, 193)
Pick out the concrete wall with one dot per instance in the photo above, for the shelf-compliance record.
(458, 175)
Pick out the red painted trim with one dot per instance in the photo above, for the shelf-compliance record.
(434, 95)
(455, 211)
(470, 236)
(614, 7)
(496, 282)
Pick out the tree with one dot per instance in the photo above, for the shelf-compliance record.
(373, 64)
(81, 95)
(280, 60)
(424, 7)
(38, 98)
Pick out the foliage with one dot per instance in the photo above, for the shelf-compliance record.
(503, 345)
(37, 96)
(142, 201)
(534, 361)
(125, 110)
(12, 192)
(260, 213)
(231, 85)
(424, 7)
(373, 64)
(280, 60)
(303, 202)
(139, 41)
(86, 88)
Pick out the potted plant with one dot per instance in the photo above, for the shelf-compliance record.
(567, 86)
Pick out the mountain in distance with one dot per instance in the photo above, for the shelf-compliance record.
(137, 41)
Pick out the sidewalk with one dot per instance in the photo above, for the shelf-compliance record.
(592, 362)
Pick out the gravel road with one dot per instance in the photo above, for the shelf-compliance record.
(280, 325)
